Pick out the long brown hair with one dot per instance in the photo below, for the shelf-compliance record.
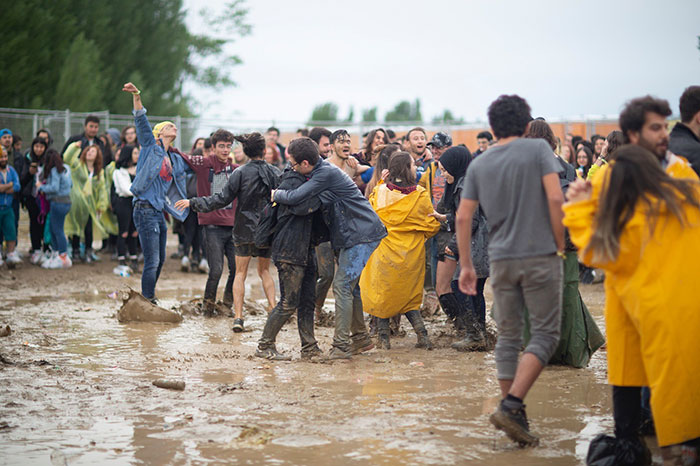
(97, 166)
(381, 164)
(53, 160)
(400, 172)
(369, 140)
(636, 178)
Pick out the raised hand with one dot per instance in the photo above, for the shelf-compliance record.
(130, 88)
(579, 190)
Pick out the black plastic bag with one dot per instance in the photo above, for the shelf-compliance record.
(605, 450)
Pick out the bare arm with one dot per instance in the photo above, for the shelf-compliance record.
(463, 223)
(555, 200)
(129, 87)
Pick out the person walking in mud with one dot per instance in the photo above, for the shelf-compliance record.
(251, 185)
(517, 186)
(298, 230)
(355, 231)
(159, 182)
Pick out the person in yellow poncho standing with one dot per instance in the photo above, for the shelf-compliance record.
(644, 231)
(392, 280)
(89, 198)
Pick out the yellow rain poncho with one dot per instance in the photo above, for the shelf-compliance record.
(392, 281)
(108, 218)
(651, 308)
(88, 197)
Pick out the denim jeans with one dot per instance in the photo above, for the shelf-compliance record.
(297, 293)
(58, 212)
(153, 234)
(325, 260)
(349, 319)
(219, 243)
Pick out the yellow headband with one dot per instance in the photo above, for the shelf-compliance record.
(157, 128)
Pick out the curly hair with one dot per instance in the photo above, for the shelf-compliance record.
(509, 116)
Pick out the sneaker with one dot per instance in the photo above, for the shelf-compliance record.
(46, 256)
(185, 264)
(35, 257)
(66, 262)
(337, 353)
(313, 354)
(237, 325)
(13, 258)
(272, 354)
(204, 266)
(92, 257)
(362, 345)
(50, 263)
(515, 425)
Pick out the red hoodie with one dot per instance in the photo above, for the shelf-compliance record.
(212, 175)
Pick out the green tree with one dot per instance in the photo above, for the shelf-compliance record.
(369, 115)
(405, 111)
(80, 85)
(324, 112)
(447, 117)
(351, 114)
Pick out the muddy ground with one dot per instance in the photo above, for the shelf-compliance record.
(76, 387)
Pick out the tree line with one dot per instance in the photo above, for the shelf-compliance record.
(403, 111)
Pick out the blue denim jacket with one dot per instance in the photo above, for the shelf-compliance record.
(6, 199)
(148, 184)
(58, 184)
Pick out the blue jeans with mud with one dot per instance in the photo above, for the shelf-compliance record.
(153, 235)
(297, 293)
(349, 318)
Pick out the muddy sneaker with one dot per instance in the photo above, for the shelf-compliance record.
(515, 425)
(237, 325)
(272, 354)
(362, 345)
(203, 266)
(337, 353)
(313, 354)
(383, 341)
(185, 264)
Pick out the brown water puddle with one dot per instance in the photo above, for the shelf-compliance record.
(80, 391)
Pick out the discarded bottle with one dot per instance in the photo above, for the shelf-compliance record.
(122, 271)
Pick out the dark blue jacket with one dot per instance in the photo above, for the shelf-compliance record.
(682, 141)
(349, 216)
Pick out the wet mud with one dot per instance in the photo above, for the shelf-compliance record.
(77, 387)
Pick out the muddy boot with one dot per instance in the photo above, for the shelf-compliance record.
(474, 339)
(208, 308)
(451, 307)
(383, 333)
(416, 321)
(272, 354)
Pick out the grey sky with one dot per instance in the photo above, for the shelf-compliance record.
(566, 57)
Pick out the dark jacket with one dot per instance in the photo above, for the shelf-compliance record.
(81, 137)
(26, 180)
(683, 142)
(349, 216)
(251, 185)
(299, 228)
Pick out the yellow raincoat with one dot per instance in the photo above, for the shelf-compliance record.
(651, 308)
(392, 281)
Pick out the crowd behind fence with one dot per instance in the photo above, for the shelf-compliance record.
(64, 123)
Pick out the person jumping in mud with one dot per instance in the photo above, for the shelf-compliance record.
(299, 229)
(251, 185)
(517, 186)
(355, 231)
(158, 184)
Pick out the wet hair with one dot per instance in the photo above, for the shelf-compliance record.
(633, 116)
(689, 103)
(53, 160)
(123, 135)
(636, 178)
(272, 128)
(540, 129)
(417, 128)
(400, 172)
(303, 132)
(92, 119)
(337, 133)
(194, 145)
(221, 135)
(304, 148)
(509, 116)
(369, 140)
(485, 135)
(253, 144)
(97, 165)
(125, 157)
(381, 164)
(317, 133)
(615, 140)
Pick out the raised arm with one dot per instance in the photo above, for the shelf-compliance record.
(72, 155)
(143, 127)
(313, 187)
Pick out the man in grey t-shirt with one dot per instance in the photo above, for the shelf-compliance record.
(516, 182)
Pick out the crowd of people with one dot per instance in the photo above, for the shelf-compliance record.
(404, 220)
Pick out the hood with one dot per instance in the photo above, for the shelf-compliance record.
(394, 207)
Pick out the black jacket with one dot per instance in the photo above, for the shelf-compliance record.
(81, 137)
(251, 185)
(685, 143)
(349, 216)
(299, 228)
(26, 179)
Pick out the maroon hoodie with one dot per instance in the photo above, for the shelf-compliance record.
(212, 175)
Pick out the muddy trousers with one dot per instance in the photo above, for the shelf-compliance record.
(297, 293)
(413, 317)
(219, 243)
(349, 318)
(153, 236)
(325, 261)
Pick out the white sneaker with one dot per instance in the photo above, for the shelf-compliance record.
(13, 258)
(185, 264)
(36, 257)
(204, 266)
(64, 262)
(50, 263)
(45, 257)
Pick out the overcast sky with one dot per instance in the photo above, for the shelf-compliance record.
(566, 57)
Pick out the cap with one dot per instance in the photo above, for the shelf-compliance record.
(5, 131)
(441, 140)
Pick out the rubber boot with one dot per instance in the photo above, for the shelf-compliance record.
(416, 321)
(451, 307)
(474, 339)
(383, 333)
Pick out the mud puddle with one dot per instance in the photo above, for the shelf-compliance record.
(77, 388)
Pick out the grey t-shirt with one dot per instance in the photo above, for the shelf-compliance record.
(507, 183)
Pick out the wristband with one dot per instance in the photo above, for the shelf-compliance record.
(136, 93)
(561, 254)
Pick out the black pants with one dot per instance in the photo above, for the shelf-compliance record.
(192, 238)
(478, 301)
(627, 411)
(75, 240)
(36, 229)
(124, 209)
(297, 293)
(219, 244)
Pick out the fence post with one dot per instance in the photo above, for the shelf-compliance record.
(178, 123)
(107, 121)
(66, 126)
(35, 123)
